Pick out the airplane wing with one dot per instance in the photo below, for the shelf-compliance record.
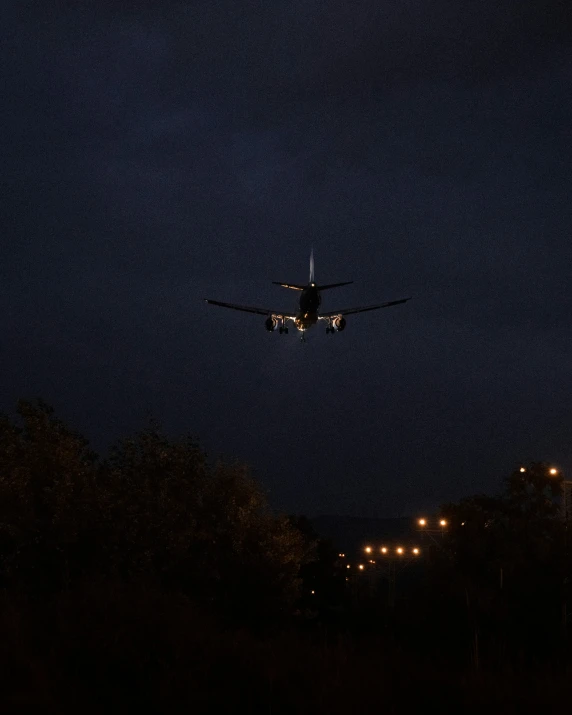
(349, 311)
(250, 309)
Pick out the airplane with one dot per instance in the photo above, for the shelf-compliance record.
(308, 313)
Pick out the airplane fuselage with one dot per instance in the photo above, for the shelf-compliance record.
(307, 314)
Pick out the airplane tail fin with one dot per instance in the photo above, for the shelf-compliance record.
(295, 286)
(312, 265)
(312, 277)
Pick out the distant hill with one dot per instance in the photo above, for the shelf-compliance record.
(350, 534)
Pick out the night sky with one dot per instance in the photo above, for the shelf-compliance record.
(166, 152)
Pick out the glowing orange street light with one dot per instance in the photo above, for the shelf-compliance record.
(313, 592)
(368, 549)
(422, 522)
(553, 471)
(361, 567)
(348, 566)
(384, 549)
(443, 522)
(416, 551)
(399, 550)
(522, 470)
(342, 556)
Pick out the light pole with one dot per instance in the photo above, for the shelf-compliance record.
(565, 495)
(565, 514)
(396, 558)
(432, 528)
(565, 509)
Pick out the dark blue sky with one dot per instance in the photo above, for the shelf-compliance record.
(167, 152)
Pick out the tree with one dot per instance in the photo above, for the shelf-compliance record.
(154, 512)
(48, 499)
(505, 556)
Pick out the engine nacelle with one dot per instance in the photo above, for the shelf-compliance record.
(271, 324)
(339, 323)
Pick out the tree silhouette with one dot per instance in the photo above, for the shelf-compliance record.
(154, 512)
(506, 556)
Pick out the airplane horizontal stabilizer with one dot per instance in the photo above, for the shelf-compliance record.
(334, 285)
(292, 286)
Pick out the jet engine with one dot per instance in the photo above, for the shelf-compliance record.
(271, 323)
(339, 323)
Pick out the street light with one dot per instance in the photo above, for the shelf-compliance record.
(433, 527)
(416, 551)
(368, 549)
(522, 470)
(361, 567)
(566, 493)
(430, 525)
(399, 550)
(384, 549)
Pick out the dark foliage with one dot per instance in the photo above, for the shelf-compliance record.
(154, 513)
(155, 581)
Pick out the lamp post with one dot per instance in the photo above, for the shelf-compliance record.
(396, 558)
(432, 528)
(565, 514)
(565, 509)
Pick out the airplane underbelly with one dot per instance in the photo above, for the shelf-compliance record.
(306, 320)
